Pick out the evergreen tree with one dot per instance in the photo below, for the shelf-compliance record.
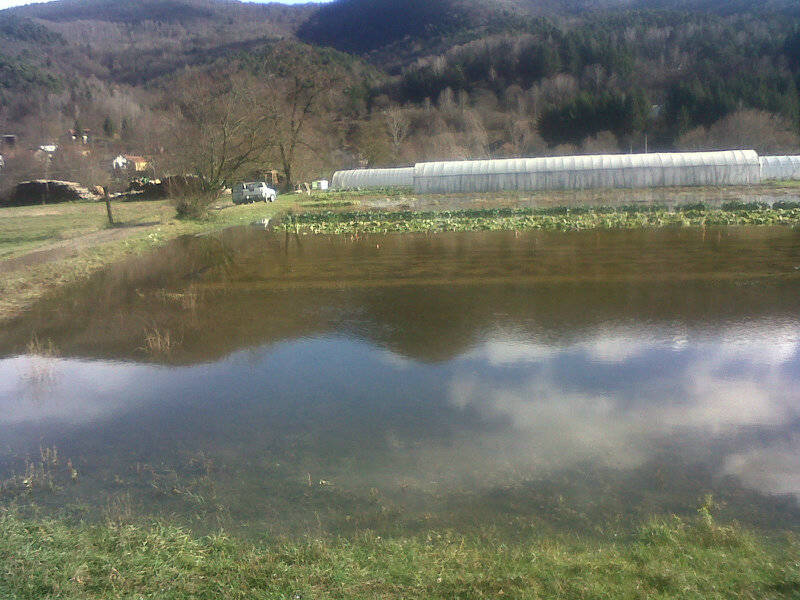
(108, 127)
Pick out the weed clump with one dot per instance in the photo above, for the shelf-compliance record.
(47, 474)
(40, 348)
(158, 342)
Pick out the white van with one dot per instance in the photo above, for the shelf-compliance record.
(254, 191)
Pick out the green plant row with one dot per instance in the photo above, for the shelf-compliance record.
(521, 219)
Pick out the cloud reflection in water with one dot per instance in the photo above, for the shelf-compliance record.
(625, 394)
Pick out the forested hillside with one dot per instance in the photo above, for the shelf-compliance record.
(408, 80)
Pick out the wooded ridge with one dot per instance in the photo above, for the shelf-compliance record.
(408, 80)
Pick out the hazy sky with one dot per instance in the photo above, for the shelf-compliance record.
(9, 3)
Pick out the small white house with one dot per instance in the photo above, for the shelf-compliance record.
(320, 184)
(120, 163)
(130, 162)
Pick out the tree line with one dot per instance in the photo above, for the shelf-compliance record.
(595, 82)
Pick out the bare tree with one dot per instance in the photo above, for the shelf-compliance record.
(373, 143)
(217, 136)
(289, 105)
(398, 124)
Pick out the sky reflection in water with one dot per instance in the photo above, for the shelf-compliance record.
(696, 406)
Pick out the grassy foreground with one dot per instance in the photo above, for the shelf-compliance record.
(663, 559)
(525, 219)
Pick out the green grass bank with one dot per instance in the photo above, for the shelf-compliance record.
(662, 559)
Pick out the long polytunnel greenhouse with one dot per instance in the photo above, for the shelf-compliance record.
(373, 178)
(780, 167)
(738, 167)
(733, 167)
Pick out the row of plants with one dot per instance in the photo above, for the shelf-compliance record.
(556, 218)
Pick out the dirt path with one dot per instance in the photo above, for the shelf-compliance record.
(69, 248)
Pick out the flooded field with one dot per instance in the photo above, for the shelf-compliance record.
(269, 384)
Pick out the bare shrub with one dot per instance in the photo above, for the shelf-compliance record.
(398, 124)
(745, 129)
(564, 150)
(604, 142)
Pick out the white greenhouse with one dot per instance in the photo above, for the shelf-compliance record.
(373, 178)
(780, 167)
(736, 167)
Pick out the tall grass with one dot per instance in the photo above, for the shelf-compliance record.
(48, 473)
(158, 342)
(663, 559)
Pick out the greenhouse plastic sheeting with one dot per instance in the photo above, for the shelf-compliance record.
(735, 167)
(373, 178)
(780, 167)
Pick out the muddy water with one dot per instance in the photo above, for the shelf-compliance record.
(265, 383)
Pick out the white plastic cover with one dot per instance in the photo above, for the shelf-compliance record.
(780, 167)
(735, 167)
(373, 178)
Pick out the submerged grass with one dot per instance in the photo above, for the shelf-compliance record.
(663, 559)
(158, 343)
(557, 218)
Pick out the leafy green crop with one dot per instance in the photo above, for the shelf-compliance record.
(522, 219)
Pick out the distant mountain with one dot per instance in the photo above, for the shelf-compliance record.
(722, 7)
(133, 41)
(368, 26)
(137, 11)
(110, 23)
(120, 12)
(473, 77)
(361, 26)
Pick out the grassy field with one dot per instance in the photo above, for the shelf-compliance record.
(44, 247)
(27, 228)
(663, 559)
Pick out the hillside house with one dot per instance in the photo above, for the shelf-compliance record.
(130, 163)
(79, 136)
(45, 152)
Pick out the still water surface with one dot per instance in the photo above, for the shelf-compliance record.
(579, 381)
